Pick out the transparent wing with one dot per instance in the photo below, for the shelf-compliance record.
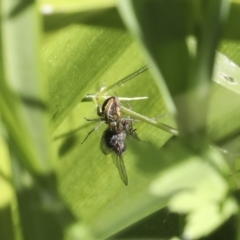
(134, 135)
(130, 131)
(104, 148)
(118, 161)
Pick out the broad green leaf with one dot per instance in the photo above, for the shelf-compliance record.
(97, 170)
(80, 53)
(89, 180)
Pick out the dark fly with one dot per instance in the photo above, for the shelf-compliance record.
(113, 141)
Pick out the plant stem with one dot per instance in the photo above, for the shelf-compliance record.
(150, 121)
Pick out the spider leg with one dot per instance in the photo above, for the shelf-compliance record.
(129, 105)
(94, 129)
(94, 119)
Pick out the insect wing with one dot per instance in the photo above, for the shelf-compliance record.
(103, 146)
(118, 161)
(130, 131)
(134, 135)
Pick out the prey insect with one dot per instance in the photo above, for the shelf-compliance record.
(114, 142)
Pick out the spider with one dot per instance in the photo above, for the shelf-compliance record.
(109, 113)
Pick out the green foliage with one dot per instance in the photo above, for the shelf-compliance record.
(57, 188)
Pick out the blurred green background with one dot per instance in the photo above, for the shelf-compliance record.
(54, 53)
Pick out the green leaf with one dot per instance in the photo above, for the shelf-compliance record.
(22, 97)
(80, 54)
(193, 194)
(88, 180)
(24, 118)
(227, 73)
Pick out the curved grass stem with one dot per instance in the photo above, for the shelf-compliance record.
(150, 121)
(122, 81)
(91, 97)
